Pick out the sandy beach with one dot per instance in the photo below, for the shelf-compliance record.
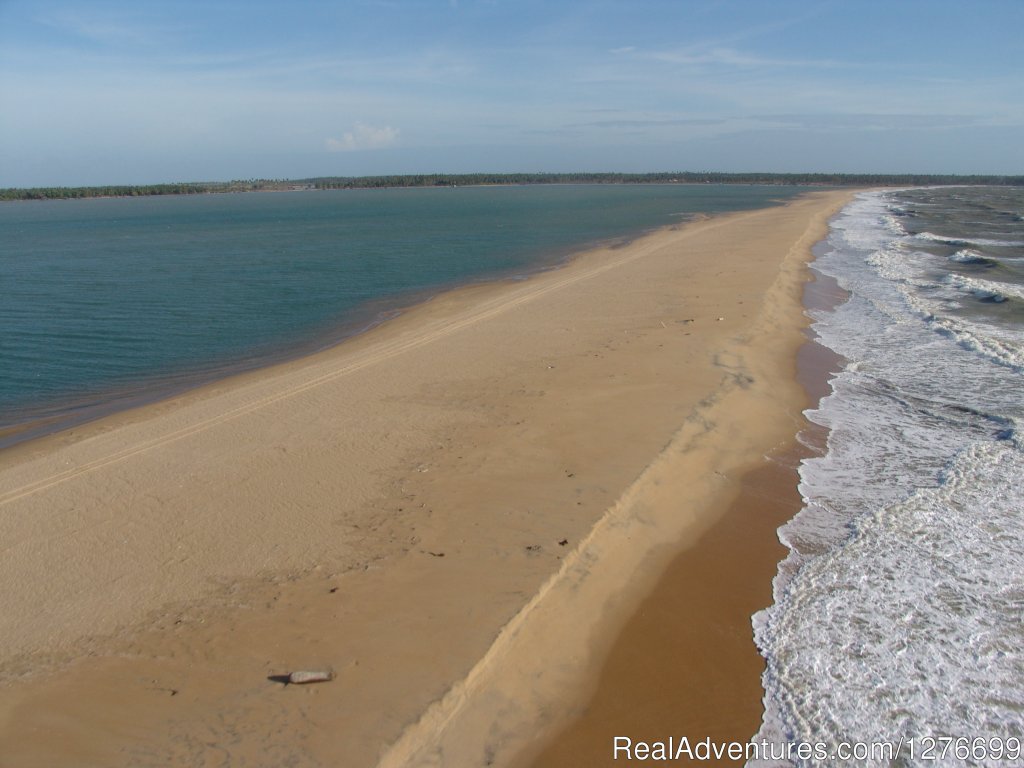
(458, 513)
(684, 664)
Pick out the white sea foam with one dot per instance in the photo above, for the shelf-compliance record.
(915, 619)
(1000, 346)
(895, 263)
(986, 288)
(967, 242)
(897, 611)
(933, 297)
(968, 256)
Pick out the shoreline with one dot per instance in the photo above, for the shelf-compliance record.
(65, 416)
(26, 420)
(608, 664)
(645, 687)
(408, 490)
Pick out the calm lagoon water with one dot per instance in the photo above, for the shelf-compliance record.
(107, 302)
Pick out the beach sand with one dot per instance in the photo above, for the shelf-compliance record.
(456, 512)
(685, 664)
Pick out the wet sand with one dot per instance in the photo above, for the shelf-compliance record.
(685, 665)
(455, 512)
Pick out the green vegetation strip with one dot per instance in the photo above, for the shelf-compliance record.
(479, 179)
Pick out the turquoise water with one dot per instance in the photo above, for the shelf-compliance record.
(109, 301)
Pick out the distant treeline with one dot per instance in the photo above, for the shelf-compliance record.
(192, 188)
(687, 177)
(479, 179)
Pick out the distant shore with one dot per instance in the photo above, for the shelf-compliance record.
(500, 179)
(455, 512)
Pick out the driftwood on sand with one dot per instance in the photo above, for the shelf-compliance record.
(310, 676)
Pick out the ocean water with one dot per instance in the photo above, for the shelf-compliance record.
(899, 612)
(109, 302)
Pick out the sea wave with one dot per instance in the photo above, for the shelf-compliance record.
(973, 258)
(986, 289)
(963, 242)
(897, 609)
(939, 586)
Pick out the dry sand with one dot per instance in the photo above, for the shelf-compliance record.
(685, 663)
(395, 509)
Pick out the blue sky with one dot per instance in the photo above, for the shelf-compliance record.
(143, 92)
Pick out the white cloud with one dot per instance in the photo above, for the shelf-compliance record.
(111, 33)
(364, 136)
(733, 58)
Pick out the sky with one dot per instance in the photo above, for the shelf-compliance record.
(118, 92)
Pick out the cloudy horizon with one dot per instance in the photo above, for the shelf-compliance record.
(115, 92)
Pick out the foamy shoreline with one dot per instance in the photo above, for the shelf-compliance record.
(406, 492)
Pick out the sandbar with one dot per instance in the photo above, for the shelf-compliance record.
(456, 513)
